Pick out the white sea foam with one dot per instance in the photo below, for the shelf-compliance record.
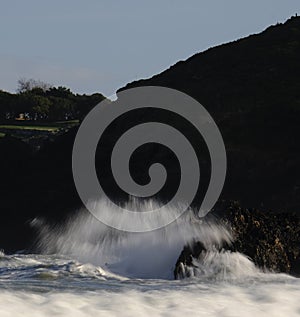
(279, 299)
(220, 266)
(140, 255)
(88, 269)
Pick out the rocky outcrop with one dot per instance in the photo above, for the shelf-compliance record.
(186, 258)
(271, 240)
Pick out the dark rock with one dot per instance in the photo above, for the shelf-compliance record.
(186, 257)
(271, 240)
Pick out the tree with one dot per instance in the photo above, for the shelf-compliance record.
(37, 100)
(29, 84)
(85, 103)
(61, 92)
(61, 109)
(41, 107)
(5, 105)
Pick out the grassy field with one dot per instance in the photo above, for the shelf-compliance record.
(26, 130)
(39, 126)
(29, 127)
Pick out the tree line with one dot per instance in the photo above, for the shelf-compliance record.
(39, 101)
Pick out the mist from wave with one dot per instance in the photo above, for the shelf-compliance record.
(137, 255)
(85, 268)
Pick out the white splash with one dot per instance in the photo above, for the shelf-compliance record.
(79, 280)
(140, 255)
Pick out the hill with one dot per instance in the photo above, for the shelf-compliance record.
(252, 89)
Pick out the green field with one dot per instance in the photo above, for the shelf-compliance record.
(70, 122)
(39, 126)
(28, 129)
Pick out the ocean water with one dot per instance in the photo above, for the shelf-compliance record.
(84, 268)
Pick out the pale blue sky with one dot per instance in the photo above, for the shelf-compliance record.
(100, 45)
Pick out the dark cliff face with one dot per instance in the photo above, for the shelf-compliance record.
(252, 89)
(34, 184)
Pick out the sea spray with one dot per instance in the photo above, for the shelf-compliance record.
(141, 255)
(78, 278)
(219, 265)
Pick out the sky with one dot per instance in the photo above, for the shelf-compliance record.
(100, 45)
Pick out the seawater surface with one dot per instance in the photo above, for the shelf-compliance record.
(83, 268)
(39, 285)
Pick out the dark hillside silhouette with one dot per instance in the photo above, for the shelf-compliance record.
(252, 89)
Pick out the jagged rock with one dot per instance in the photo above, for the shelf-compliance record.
(186, 258)
(271, 240)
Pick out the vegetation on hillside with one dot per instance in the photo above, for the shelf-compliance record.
(38, 101)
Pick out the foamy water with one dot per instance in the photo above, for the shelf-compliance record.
(87, 269)
(34, 285)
